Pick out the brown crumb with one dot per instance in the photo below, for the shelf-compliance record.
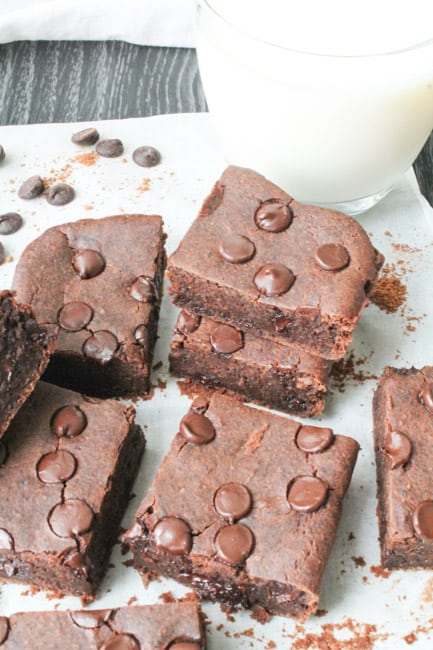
(346, 369)
(321, 612)
(410, 638)
(88, 159)
(260, 614)
(190, 597)
(380, 572)
(132, 600)
(88, 207)
(270, 645)
(362, 637)
(157, 366)
(162, 385)
(145, 185)
(227, 611)
(351, 537)
(167, 597)
(389, 292)
(358, 561)
(254, 441)
(9, 258)
(128, 563)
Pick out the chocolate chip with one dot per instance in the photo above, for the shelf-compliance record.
(314, 439)
(121, 642)
(187, 323)
(236, 249)
(88, 263)
(197, 428)
(10, 222)
(110, 148)
(426, 397)
(332, 257)
(184, 645)
(56, 467)
(2, 154)
(3, 452)
(90, 619)
(146, 156)
(71, 518)
(102, 346)
(6, 540)
(75, 316)
(307, 493)
(232, 501)
(398, 447)
(143, 289)
(273, 216)
(60, 194)
(173, 535)
(274, 279)
(140, 335)
(4, 621)
(234, 543)
(422, 519)
(86, 136)
(31, 188)
(226, 339)
(68, 421)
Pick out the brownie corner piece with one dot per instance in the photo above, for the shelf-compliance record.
(403, 442)
(256, 525)
(25, 350)
(67, 468)
(100, 281)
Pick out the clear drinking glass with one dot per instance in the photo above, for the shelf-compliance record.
(334, 130)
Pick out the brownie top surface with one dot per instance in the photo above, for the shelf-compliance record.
(229, 443)
(253, 238)
(57, 459)
(94, 275)
(404, 435)
(151, 627)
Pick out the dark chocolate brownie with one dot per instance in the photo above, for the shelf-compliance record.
(174, 626)
(25, 349)
(263, 370)
(67, 468)
(245, 507)
(259, 260)
(100, 281)
(403, 440)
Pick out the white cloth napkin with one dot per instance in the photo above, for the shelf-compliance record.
(146, 22)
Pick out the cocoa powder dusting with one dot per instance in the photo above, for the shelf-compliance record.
(389, 293)
(88, 159)
(362, 637)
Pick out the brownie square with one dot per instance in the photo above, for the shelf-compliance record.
(25, 349)
(177, 626)
(245, 507)
(403, 442)
(257, 259)
(100, 281)
(67, 468)
(261, 369)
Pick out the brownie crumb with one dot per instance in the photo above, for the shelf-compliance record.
(254, 441)
(227, 611)
(321, 612)
(157, 366)
(346, 369)
(260, 615)
(363, 636)
(410, 638)
(379, 571)
(358, 561)
(132, 600)
(167, 597)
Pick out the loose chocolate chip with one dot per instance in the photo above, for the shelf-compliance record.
(88, 263)
(226, 339)
(86, 136)
(56, 467)
(90, 619)
(173, 535)
(307, 493)
(426, 397)
(184, 645)
(4, 626)
(121, 642)
(60, 194)
(274, 279)
(31, 188)
(236, 249)
(146, 156)
(3, 452)
(6, 540)
(232, 501)
(71, 518)
(110, 148)
(102, 346)
(273, 216)
(75, 316)
(234, 543)
(140, 335)
(398, 447)
(2, 154)
(143, 289)
(332, 257)
(422, 519)
(314, 439)
(197, 428)
(68, 421)
(10, 222)
(187, 323)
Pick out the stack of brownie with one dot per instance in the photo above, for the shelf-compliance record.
(271, 292)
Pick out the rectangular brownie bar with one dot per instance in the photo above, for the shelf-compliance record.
(177, 626)
(259, 260)
(67, 465)
(245, 507)
(403, 442)
(263, 370)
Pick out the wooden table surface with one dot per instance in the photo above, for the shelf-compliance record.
(73, 81)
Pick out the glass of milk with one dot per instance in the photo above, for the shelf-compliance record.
(331, 100)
